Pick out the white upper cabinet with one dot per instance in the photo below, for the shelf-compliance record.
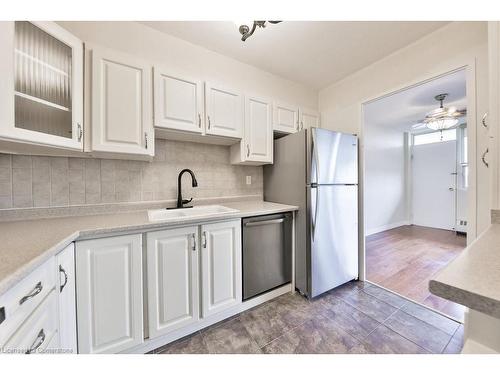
(221, 266)
(172, 279)
(308, 118)
(41, 85)
(109, 294)
(178, 101)
(256, 148)
(285, 117)
(121, 104)
(224, 111)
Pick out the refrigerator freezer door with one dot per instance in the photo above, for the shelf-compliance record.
(333, 236)
(333, 158)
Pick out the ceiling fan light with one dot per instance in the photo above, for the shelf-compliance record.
(441, 123)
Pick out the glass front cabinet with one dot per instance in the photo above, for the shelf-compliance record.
(41, 85)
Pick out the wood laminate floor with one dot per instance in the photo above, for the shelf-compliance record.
(404, 259)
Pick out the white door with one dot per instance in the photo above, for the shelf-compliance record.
(258, 141)
(109, 294)
(224, 111)
(221, 266)
(178, 101)
(65, 263)
(121, 103)
(41, 84)
(434, 185)
(172, 262)
(308, 118)
(285, 117)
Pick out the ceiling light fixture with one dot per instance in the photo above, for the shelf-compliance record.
(442, 118)
(247, 32)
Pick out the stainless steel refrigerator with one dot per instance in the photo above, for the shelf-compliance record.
(317, 170)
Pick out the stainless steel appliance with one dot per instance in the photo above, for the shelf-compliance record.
(317, 170)
(267, 253)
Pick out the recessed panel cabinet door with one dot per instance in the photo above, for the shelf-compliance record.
(109, 294)
(121, 104)
(221, 266)
(224, 111)
(178, 101)
(172, 263)
(308, 118)
(258, 130)
(285, 117)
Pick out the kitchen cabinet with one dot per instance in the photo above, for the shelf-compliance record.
(41, 85)
(224, 111)
(220, 266)
(285, 117)
(308, 118)
(172, 279)
(109, 294)
(121, 104)
(178, 101)
(256, 147)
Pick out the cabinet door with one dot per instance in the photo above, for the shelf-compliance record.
(221, 266)
(258, 145)
(109, 294)
(178, 102)
(65, 288)
(308, 118)
(41, 85)
(121, 104)
(224, 111)
(285, 117)
(172, 263)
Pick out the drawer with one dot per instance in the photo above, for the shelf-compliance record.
(38, 331)
(22, 299)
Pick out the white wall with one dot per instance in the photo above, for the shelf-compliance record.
(456, 44)
(385, 178)
(147, 43)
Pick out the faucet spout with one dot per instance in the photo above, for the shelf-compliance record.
(194, 183)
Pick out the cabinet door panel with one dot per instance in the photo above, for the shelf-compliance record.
(285, 117)
(178, 102)
(224, 110)
(221, 266)
(172, 259)
(121, 104)
(258, 130)
(109, 294)
(308, 119)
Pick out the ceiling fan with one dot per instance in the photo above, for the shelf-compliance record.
(441, 118)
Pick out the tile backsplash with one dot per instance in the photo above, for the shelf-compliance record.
(42, 181)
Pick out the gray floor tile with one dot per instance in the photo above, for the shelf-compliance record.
(433, 318)
(386, 296)
(456, 343)
(193, 344)
(385, 341)
(371, 306)
(230, 338)
(418, 331)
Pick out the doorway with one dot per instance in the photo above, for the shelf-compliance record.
(416, 187)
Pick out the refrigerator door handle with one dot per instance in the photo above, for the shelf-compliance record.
(316, 204)
(314, 157)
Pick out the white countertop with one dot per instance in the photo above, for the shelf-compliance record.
(473, 278)
(26, 244)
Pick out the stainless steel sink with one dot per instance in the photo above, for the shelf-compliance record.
(188, 213)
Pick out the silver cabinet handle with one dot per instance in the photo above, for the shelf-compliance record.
(146, 139)
(248, 150)
(193, 247)
(483, 120)
(199, 120)
(80, 132)
(301, 125)
(451, 189)
(37, 343)
(63, 271)
(208, 117)
(483, 158)
(263, 222)
(38, 288)
(204, 240)
(297, 126)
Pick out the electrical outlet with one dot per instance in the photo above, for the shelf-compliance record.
(249, 180)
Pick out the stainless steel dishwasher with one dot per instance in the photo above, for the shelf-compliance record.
(267, 253)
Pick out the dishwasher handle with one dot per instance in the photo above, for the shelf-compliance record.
(264, 222)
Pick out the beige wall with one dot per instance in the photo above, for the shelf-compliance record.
(455, 45)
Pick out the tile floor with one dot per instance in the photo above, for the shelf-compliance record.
(354, 318)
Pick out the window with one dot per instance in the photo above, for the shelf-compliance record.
(435, 137)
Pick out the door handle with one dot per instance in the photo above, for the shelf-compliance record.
(209, 124)
(40, 338)
(248, 150)
(483, 120)
(36, 290)
(316, 204)
(199, 120)
(63, 271)
(204, 240)
(80, 132)
(264, 222)
(483, 158)
(146, 139)
(194, 242)
(451, 189)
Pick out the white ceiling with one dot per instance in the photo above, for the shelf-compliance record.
(408, 107)
(314, 53)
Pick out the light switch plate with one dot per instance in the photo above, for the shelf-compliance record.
(249, 180)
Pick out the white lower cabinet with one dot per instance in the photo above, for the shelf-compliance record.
(172, 279)
(109, 294)
(220, 266)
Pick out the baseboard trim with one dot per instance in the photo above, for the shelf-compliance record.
(386, 227)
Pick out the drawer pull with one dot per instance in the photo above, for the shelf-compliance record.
(37, 290)
(37, 343)
(63, 271)
(264, 222)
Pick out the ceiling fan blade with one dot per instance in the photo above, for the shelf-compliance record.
(418, 126)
